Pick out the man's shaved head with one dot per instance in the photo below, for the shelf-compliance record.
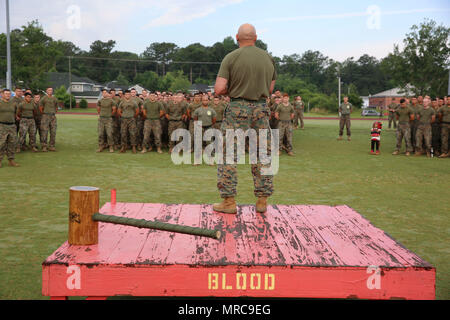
(246, 32)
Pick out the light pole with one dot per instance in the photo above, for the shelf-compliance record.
(8, 49)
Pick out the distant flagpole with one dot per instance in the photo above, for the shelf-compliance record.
(8, 49)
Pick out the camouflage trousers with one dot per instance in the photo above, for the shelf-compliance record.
(174, 125)
(105, 130)
(344, 121)
(245, 115)
(413, 127)
(423, 133)
(217, 125)
(285, 131)
(128, 126)
(404, 132)
(27, 126)
(140, 130)
(391, 119)
(116, 130)
(152, 126)
(8, 141)
(37, 120)
(298, 117)
(445, 131)
(48, 123)
(436, 137)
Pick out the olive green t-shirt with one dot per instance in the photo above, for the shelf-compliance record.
(249, 71)
(205, 115)
(194, 106)
(416, 109)
(404, 114)
(26, 109)
(153, 109)
(7, 111)
(346, 108)
(284, 112)
(300, 106)
(425, 115)
(128, 108)
(138, 101)
(175, 111)
(106, 107)
(50, 104)
(392, 106)
(17, 101)
(219, 109)
(445, 111)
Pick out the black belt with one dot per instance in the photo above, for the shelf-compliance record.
(8, 123)
(175, 120)
(247, 100)
(27, 117)
(219, 121)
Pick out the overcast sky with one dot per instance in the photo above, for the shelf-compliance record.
(338, 29)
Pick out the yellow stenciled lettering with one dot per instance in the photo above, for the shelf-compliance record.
(224, 283)
(252, 281)
(213, 281)
(241, 276)
(269, 277)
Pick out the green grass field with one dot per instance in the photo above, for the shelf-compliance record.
(406, 197)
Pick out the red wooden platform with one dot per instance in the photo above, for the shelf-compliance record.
(290, 251)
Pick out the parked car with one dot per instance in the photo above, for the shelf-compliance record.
(370, 112)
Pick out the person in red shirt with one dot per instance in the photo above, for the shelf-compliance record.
(375, 134)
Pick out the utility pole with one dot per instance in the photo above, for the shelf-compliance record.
(448, 90)
(339, 91)
(70, 82)
(8, 49)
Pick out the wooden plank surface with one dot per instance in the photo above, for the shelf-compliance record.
(284, 235)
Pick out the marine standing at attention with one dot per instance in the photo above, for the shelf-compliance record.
(248, 76)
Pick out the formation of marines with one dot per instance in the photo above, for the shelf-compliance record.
(423, 124)
(26, 114)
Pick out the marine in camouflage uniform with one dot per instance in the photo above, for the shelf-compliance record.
(426, 116)
(299, 107)
(17, 99)
(152, 111)
(25, 112)
(139, 120)
(444, 116)
(175, 114)
(106, 108)
(391, 117)
(8, 133)
(116, 120)
(197, 103)
(416, 107)
(48, 108)
(219, 107)
(248, 76)
(404, 115)
(128, 111)
(345, 109)
(37, 116)
(436, 131)
(285, 112)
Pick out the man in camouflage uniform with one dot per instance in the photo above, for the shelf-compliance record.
(197, 103)
(48, 107)
(444, 117)
(128, 111)
(299, 107)
(17, 99)
(152, 111)
(391, 118)
(26, 112)
(248, 76)
(116, 120)
(404, 115)
(416, 107)
(106, 109)
(175, 114)
(8, 133)
(345, 110)
(285, 113)
(436, 131)
(37, 116)
(219, 108)
(426, 116)
(139, 120)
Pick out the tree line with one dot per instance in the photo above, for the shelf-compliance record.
(422, 63)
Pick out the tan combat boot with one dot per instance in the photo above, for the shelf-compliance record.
(44, 149)
(340, 138)
(396, 152)
(228, 205)
(100, 149)
(111, 149)
(290, 153)
(407, 154)
(18, 150)
(52, 149)
(144, 150)
(444, 155)
(159, 150)
(349, 139)
(261, 204)
(418, 154)
(12, 163)
(35, 149)
(134, 149)
(124, 149)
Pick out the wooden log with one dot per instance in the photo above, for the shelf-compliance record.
(83, 203)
